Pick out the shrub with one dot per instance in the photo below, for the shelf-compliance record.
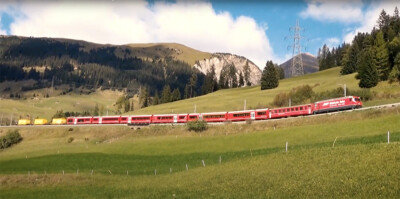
(365, 94)
(71, 139)
(197, 126)
(12, 137)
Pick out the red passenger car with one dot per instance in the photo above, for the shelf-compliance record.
(193, 117)
(343, 103)
(182, 118)
(241, 115)
(112, 119)
(168, 118)
(214, 117)
(79, 120)
(140, 119)
(262, 114)
(291, 111)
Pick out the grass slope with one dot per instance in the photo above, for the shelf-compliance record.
(179, 51)
(254, 162)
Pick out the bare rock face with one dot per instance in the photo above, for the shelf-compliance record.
(219, 60)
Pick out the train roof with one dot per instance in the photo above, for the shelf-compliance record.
(244, 111)
(214, 113)
(336, 99)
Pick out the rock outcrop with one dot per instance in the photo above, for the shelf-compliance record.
(219, 60)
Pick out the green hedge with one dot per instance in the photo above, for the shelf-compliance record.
(12, 137)
(197, 126)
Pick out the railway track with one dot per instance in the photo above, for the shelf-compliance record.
(210, 123)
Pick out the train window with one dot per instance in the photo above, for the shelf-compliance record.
(241, 115)
(357, 99)
(297, 108)
(214, 116)
(181, 117)
(95, 119)
(292, 109)
(193, 117)
(80, 120)
(123, 118)
(70, 120)
(110, 119)
(140, 118)
(165, 118)
(262, 113)
(301, 108)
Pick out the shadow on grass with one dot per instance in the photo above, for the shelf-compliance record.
(146, 164)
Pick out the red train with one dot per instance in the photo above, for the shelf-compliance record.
(338, 104)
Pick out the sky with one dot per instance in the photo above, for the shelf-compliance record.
(257, 29)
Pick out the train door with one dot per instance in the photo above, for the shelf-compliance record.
(100, 120)
(253, 115)
(175, 118)
(129, 119)
(75, 120)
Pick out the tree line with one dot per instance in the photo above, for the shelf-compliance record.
(375, 56)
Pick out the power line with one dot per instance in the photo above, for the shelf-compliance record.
(297, 68)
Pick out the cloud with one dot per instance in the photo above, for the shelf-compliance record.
(334, 11)
(332, 42)
(195, 24)
(370, 17)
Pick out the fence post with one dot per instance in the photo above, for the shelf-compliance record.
(333, 145)
(127, 173)
(187, 168)
(155, 171)
(63, 172)
(170, 170)
(388, 137)
(286, 146)
(204, 164)
(91, 173)
(220, 160)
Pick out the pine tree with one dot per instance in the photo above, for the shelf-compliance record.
(166, 94)
(350, 60)
(192, 83)
(176, 95)
(246, 71)
(382, 57)
(145, 98)
(156, 98)
(269, 78)
(395, 73)
(232, 76)
(241, 79)
(367, 71)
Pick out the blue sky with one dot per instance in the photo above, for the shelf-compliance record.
(254, 29)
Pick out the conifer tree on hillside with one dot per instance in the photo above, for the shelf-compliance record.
(395, 74)
(176, 95)
(269, 78)
(382, 57)
(156, 98)
(350, 60)
(166, 94)
(241, 79)
(246, 73)
(367, 72)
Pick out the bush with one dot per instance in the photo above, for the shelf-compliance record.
(365, 94)
(12, 137)
(197, 126)
(71, 139)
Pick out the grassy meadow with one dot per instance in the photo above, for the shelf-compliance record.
(240, 160)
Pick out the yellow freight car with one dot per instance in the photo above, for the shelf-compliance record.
(24, 122)
(59, 121)
(40, 122)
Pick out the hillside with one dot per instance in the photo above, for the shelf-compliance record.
(310, 64)
(67, 64)
(222, 100)
(226, 161)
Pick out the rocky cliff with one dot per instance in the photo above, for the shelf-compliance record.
(219, 60)
(310, 64)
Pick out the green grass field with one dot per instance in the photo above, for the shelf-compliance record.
(254, 163)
